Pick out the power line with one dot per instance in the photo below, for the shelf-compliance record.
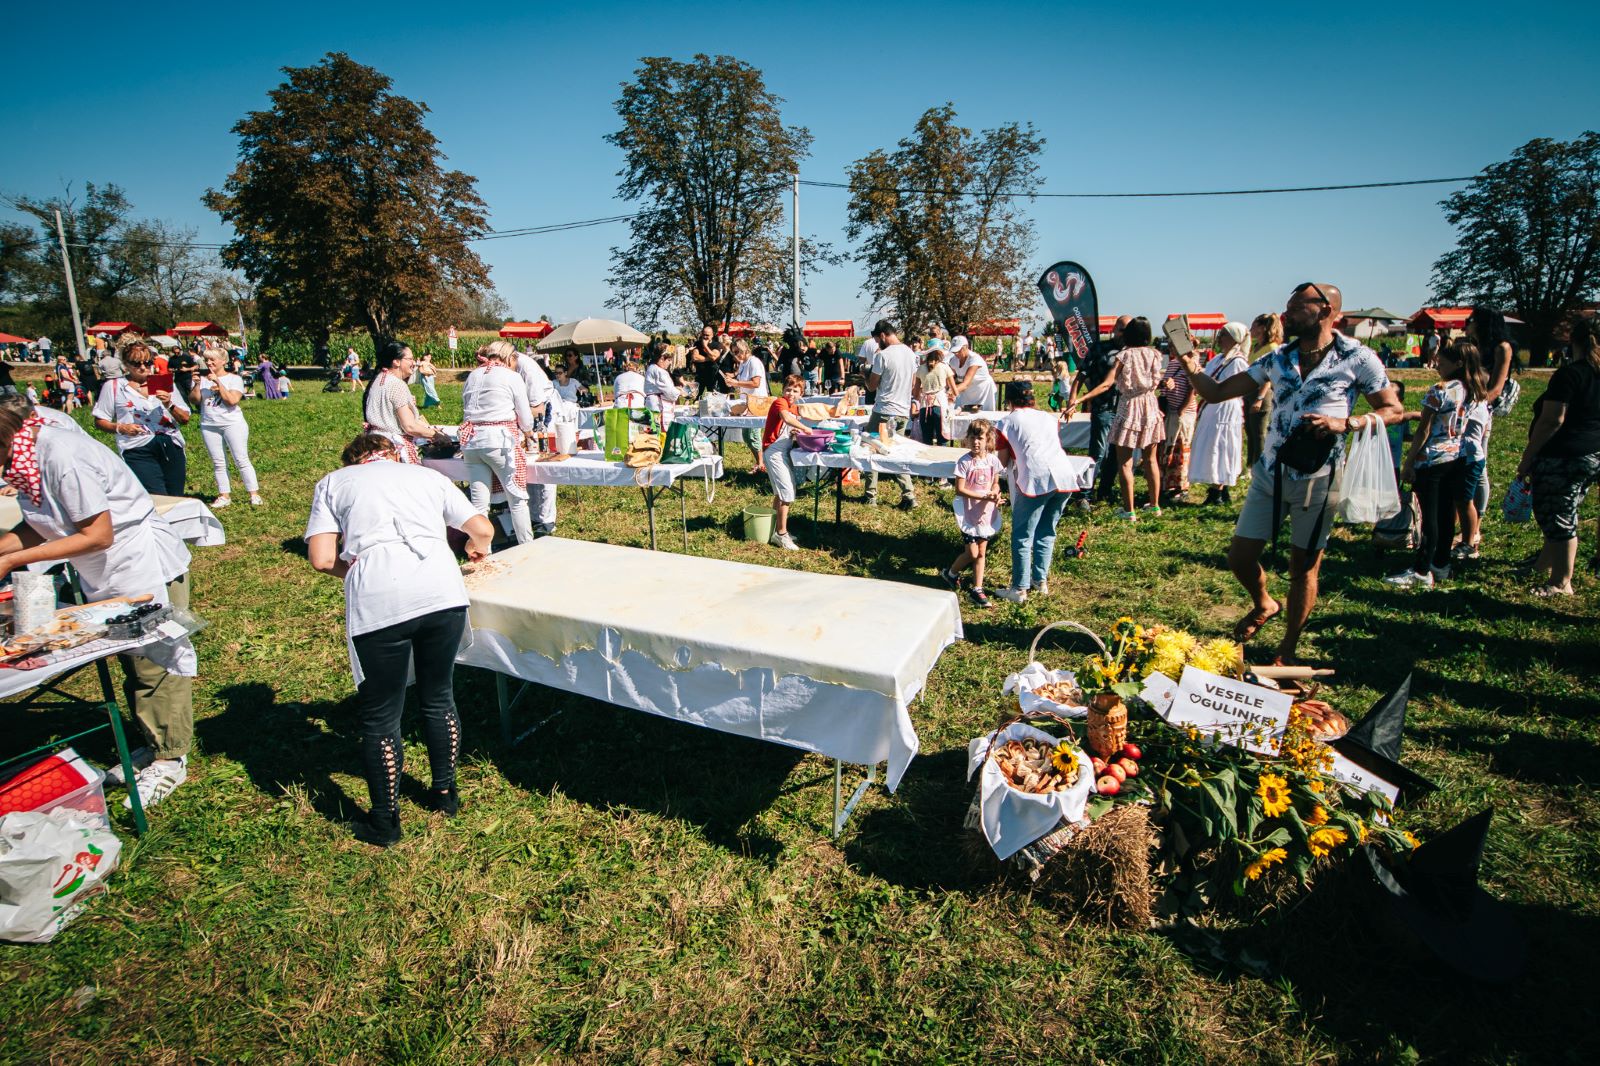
(1143, 195)
(563, 227)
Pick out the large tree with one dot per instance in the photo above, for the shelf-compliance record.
(707, 153)
(939, 221)
(342, 212)
(111, 253)
(1528, 236)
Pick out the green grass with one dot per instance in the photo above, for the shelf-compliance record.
(681, 901)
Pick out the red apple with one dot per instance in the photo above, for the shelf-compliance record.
(1129, 767)
(1099, 765)
(1132, 751)
(1115, 770)
(1108, 786)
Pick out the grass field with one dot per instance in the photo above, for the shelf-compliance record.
(682, 901)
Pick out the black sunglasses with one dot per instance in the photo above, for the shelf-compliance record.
(1303, 286)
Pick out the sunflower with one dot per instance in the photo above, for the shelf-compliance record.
(1324, 840)
(1274, 793)
(1065, 759)
(1319, 815)
(1362, 831)
(1263, 862)
(1410, 838)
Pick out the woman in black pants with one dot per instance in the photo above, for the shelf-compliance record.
(381, 525)
(148, 424)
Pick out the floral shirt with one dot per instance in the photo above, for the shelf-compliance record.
(1348, 372)
(1446, 433)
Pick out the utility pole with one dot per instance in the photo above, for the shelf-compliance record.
(796, 214)
(72, 290)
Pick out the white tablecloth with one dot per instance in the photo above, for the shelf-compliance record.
(589, 468)
(192, 519)
(906, 456)
(13, 682)
(1074, 433)
(815, 661)
(754, 421)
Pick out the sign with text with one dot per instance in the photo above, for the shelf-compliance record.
(1236, 712)
(1359, 779)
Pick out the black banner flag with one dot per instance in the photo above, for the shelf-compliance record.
(1068, 292)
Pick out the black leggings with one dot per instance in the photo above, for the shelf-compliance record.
(1435, 488)
(430, 642)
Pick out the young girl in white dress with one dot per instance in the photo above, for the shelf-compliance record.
(977, 506)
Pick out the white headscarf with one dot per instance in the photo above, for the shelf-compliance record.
(1239, 334)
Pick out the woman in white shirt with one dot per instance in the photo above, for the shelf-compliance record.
(748, 379)
(1041, 479)
(222, 426)
(1215, 456)
(495, 420)
(148, 424)
(628, 388)
(975, 388)
(381, 525)
(81, 503)
(660, 391)
(391, 409)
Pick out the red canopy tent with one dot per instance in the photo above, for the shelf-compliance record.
(738, 329)
(1002, 327)
(7, 338)
(1207, 322)
(528, 330)
(831, 327)
(1440, 318)
(197, 329)
(1107, 324)
(116, 329)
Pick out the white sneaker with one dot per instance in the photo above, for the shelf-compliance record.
(140, 757)
(1410, 579)
(256, 500)
(156, 781)
(1042, 588)
(784, 541)
(220, 502)
(1011, 595)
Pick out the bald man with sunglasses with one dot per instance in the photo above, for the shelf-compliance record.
(1316, 379)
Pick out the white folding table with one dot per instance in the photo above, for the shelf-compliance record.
(592, 469)
(1074, 431)
(806, 660)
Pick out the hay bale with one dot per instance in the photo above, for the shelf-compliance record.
(1099, 871)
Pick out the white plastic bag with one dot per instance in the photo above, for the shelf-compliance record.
(1364, 491)
(50, 865)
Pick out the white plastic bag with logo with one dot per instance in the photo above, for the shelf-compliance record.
(50, 866)
(1364, 492)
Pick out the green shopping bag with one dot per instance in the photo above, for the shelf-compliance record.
(680, 444)
(619, 433)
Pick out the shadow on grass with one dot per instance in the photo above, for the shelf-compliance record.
(294, 546)
(1370, 984)
(606, 756)
(283, 744)
(914, 840)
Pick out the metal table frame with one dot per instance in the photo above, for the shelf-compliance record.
(508, 704)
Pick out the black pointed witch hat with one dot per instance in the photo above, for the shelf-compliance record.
(1434, 893)
(1374, 743)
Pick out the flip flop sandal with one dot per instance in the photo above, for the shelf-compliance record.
(1248, 626)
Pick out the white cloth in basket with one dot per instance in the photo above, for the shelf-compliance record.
(1030, 677)
(1013, 819)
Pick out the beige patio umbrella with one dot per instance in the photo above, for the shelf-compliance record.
(593, 334)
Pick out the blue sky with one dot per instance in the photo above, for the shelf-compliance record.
(1156, 96)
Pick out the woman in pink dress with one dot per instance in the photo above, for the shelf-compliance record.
(1139, 425)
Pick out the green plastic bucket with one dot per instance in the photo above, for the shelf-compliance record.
(758, 523)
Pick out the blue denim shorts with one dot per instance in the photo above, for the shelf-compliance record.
(1471, 478)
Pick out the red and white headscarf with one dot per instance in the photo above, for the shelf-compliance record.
(22, 469)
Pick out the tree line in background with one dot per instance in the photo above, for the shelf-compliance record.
(344, 218)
